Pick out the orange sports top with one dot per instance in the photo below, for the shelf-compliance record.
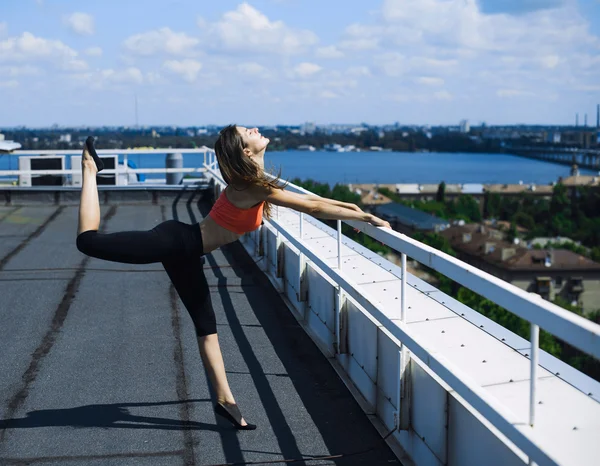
(233, 218)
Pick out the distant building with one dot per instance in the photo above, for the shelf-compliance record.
(549, 273)
(553, 137)
(464, 126)
(582, 139)
(308, 128)
(65, 138)
(408, 220)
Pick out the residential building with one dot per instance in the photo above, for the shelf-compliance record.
(547, 272)
(408, 220)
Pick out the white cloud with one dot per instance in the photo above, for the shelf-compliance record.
(359, 38)
(358, 71)
(550, 48)
(188, 69)
(17, 71)
(306, 69)
(80, 23)
(153, 77)
(331, 51)
(28, 47)
(247, 29)
(409, 95)
(328, 95)
(93, 52)
(443, 95)
(251, 68)
(108, 79)
(7, 84)
(512, 93)
(162, 40)
(549, 61)
(429, 81)
(131, 75)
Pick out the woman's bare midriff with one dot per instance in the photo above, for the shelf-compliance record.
(214, 235)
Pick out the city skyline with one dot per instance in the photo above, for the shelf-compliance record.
(270, 62)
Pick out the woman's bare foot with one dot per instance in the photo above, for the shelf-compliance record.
(234, 411)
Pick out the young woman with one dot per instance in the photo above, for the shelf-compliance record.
(179, 246)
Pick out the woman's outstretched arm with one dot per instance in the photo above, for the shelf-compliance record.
(320, 208)
(314, 197)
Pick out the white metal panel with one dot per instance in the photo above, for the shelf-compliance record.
(420, 307)
(322, 332)
(321, 297)
(362, 362)
(419, 451)
(272, 257)
(385, 410)
(362, 340)
(361, 380)
(485, 359)
(388, 357)
(360, 270)
(429, 411)
(470, 443)
(292, 290)
(564, 418)
(326, 248)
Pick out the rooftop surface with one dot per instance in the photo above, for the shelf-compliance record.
(414, 218)
(100, 363)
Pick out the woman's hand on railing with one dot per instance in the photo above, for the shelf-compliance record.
(376, 221)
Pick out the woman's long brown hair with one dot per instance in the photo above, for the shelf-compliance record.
(241, 171)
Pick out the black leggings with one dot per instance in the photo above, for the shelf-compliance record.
(178, 246)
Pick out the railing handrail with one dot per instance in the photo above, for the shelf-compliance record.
(158, 150)
(569, 327)
(106, 171)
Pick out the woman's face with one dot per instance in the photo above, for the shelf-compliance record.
(253, 140)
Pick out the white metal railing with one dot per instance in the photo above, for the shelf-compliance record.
(122, 171)
(571, 328)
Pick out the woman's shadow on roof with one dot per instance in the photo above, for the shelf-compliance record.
(115, 415)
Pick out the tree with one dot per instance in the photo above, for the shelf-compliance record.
(441, 193)
(512, 232)
(525, 220)
(560, 203)
(467, 206)
(491, 205)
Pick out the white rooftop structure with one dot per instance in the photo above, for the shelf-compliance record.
(9, 146)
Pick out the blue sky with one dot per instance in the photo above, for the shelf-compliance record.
(196, 62)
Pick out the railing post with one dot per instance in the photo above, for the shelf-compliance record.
(403, 399)
(535, 340)
(300, 262)
(339, 295)
(534, 350)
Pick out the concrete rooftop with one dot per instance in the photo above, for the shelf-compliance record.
(100, 364)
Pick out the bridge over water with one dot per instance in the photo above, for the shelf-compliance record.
(329, 348)
(584, 158)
